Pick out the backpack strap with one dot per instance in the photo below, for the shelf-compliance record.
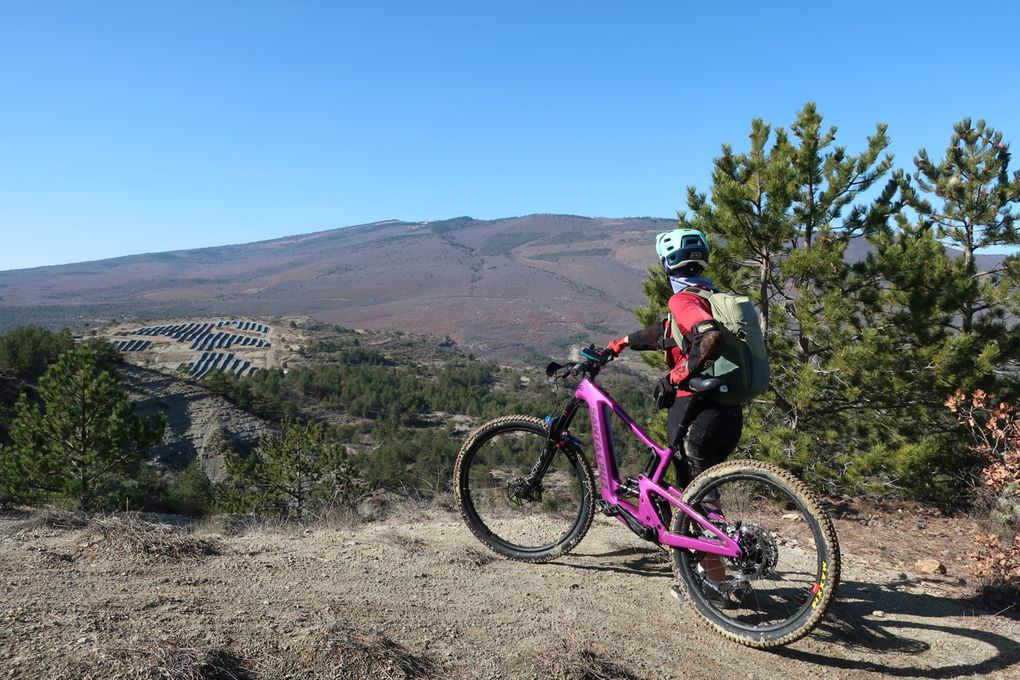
(674, 328)
(700, 292)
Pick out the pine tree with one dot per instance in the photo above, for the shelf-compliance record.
(781, 217)
(947, 319)
(970, 202)
(81, 444)
(290, 474)
(865, 343)
(926, 359)
(192, 491)
(26, 351)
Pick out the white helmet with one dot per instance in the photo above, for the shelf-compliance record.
(681, 247)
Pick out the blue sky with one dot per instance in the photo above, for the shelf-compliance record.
(138, 127)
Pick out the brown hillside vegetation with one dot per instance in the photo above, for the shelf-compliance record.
(495, 285)
(414, 595)
(500, 286)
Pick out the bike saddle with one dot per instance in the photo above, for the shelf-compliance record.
(706, 384)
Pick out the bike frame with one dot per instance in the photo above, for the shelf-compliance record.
(600, 406)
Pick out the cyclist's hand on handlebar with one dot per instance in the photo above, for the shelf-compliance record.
(618, 345)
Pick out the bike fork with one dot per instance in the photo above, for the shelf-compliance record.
(557, 437)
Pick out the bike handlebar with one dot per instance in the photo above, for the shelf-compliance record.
(594, 360)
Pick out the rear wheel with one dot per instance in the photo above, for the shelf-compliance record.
(781, 586)
(533, 524)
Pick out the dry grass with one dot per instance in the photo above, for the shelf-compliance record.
(135, 535)
(445, 501)
(473, 557)
(62, 518)
(410, 544)
(174, 660)
(53, 517)
(341, 650)
(336, 516)
(572, 659)
(586, 665)
(230, 524)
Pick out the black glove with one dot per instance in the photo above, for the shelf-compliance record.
(664, 394)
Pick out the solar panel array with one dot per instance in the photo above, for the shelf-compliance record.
(206, 337)
(131, 345)
(219, 361)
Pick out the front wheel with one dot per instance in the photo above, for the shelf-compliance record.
(782, 584)
(529, 522)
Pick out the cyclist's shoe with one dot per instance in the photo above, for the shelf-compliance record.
(725, 594)
(716, 598)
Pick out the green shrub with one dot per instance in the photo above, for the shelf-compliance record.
(192, 492)
(26, 351)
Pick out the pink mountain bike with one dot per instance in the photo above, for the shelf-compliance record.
(526, 490)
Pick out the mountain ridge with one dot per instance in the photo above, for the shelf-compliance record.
(509, 285)
(504, 287)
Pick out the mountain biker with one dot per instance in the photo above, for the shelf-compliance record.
(702, 433)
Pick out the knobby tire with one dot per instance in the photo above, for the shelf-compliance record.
(532, 431)
(822, 533)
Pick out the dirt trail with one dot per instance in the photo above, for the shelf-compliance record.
(421, 589)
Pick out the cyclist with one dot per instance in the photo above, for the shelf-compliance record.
(702, 433)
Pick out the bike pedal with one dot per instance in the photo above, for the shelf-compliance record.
(606, 508)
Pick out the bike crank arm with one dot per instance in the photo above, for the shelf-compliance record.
(645, 532)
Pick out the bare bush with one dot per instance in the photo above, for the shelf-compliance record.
(174, 660)
(997, 560)
(351, 652)
(996, 433)
(136, 535)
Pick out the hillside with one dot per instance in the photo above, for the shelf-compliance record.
(414, 595)
(502, 287)
(531, 282)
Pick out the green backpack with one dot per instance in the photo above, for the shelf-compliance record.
(744, 363)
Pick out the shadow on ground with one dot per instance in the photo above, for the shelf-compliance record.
(851, 624)
(640, 561)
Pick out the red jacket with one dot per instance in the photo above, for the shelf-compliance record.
(687, 309)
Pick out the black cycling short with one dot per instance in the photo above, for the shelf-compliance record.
(702, 433)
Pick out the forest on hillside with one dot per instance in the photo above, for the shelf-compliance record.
(388, 411)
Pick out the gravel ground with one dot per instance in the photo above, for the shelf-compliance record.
(415, 595)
